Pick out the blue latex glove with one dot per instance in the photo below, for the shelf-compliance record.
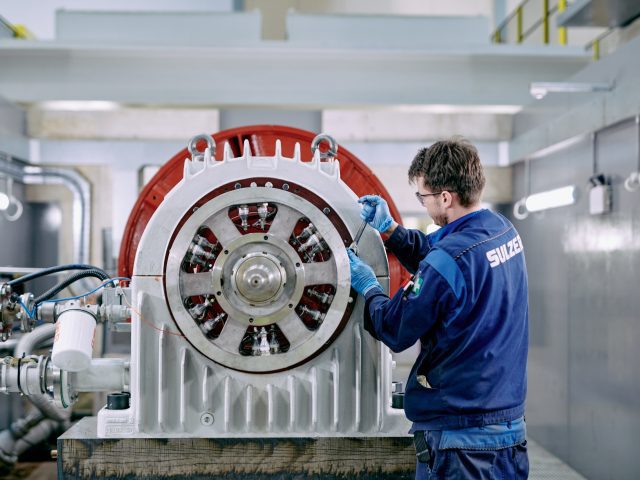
(362, 277)
(376, 211)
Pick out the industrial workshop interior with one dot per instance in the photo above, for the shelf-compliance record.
(319, 239)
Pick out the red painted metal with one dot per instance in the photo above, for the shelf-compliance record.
(262, 139)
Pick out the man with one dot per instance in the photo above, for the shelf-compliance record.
(467, 304)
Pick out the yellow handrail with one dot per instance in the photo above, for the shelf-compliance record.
(562, 31)
(19, 31)
(596, 49)
(518, 14)
(519, 35)
(545, 22)
(504, 31)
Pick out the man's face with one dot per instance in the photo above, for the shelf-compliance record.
(433, 202)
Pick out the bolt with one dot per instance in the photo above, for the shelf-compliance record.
(326, 210)
(285, 186)
(237, 186)
(206, 419)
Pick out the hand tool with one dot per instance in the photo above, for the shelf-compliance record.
(354, 245)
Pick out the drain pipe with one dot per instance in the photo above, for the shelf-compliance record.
(80, 187)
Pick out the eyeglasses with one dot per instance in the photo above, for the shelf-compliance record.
(421, 196)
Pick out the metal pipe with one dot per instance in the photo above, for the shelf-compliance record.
(104, 374)
(18, 429)
(38, 433)
(29, 342)
(79, 186)
(9, 345)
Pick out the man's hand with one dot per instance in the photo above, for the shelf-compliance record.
(362, 277)
(376, 211)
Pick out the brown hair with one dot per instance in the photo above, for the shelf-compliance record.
(452, 165)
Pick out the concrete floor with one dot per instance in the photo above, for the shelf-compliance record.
(543, 465)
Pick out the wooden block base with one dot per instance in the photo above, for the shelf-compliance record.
(81, 455)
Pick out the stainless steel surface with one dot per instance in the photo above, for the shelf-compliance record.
(259, 278)
(329, 382)
(103, 375)
(273, 248)
(583, 395)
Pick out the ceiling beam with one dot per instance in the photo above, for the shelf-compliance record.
(273, 75)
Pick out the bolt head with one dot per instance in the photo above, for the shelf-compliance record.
(206, 419)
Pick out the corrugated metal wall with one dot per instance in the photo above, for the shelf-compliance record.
(584, 277)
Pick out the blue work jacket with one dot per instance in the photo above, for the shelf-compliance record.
(467, 304)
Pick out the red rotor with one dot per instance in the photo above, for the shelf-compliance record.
(262, 139)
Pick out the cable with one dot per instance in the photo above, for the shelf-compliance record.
(32, 314)
(111, 280)
(99, 274)
(24, 307)
(161, 330)
(51, 270)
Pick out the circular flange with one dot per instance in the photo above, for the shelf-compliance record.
(258, 278)
(273, 263)
(263, 248)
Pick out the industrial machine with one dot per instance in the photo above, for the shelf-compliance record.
(235, 286)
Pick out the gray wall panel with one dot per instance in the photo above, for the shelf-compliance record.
(584, 363)
(239, 117)
(605, 331)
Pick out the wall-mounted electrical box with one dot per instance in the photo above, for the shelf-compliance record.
(599, 195)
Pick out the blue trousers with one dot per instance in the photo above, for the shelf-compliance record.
(510, 463)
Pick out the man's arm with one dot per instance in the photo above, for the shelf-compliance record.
(400, 321)
(409, 246)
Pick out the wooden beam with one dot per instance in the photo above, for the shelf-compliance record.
(333, 458)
